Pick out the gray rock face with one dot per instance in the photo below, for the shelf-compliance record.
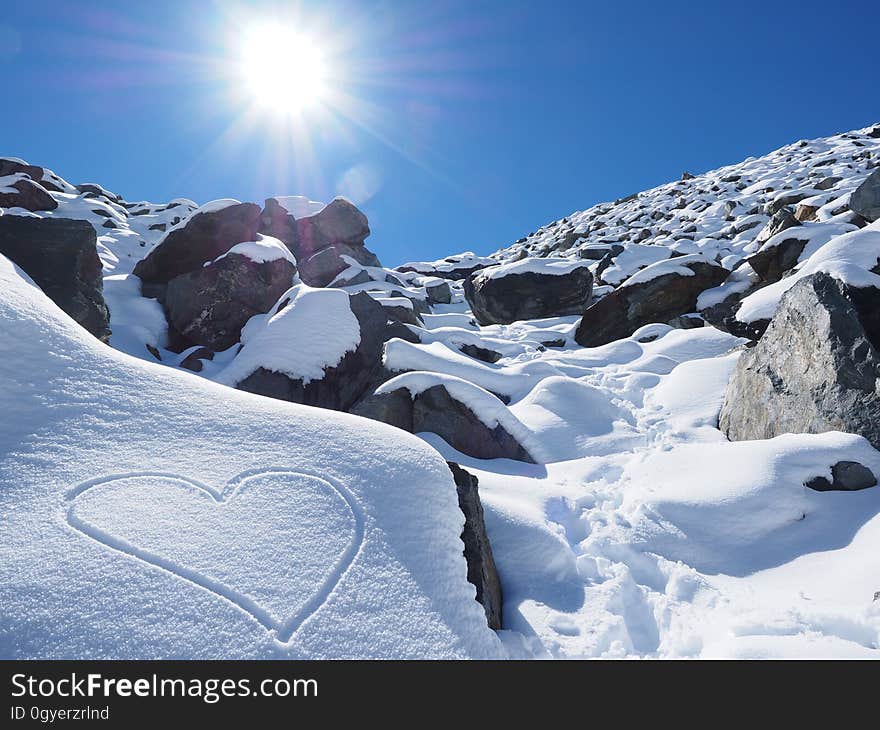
(275, 221)
(30, 196)
(338, 222)
(481, 570)
(439, 293)
(210, 305)
(661, 299)
(814, 370)
(342, 385)
(529, 295)
(61, 256)
(203, 238)
(865, 199)
(780, 221)
(846, 476)
(324, 266)
(771, 263)
(434, 410)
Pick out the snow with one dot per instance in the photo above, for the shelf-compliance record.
(641, 532)
(677, 266)
(312, 332)
(299, 206)
(149, 513)
(215, 206)
(264, 249)
(544, 266)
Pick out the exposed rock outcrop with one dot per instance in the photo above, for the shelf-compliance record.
(814, 370)
(512, 293)
(210, 305)
(647, 300)
(61, 256)
(865, 199)
(481, 569)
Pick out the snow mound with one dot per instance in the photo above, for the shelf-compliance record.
(307, 331)
(152, 514)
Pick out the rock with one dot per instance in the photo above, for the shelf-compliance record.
(815, 368)
(434, 410)
(827, 183)
(630, 306)
(846, 476)
(275, 221)
(210, 305)
(344, 384)
(771, 263)
(193, 361)
(480, 353)
(324, 266)
(780, 221)
(30, 196)
(865, 200)
(39, 175)
(61, 256)
(601, 253)
(481, 570)
(204, 237)
(340, 222)
(805, 213)
(687, 322)
(686, 176)
(439, 292)
(93, 189)
(511, 297)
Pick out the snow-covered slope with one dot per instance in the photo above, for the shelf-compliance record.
(138, 523)
(641, 531)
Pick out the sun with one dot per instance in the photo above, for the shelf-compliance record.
(284, 71)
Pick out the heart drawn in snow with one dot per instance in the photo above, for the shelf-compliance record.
(273, 542)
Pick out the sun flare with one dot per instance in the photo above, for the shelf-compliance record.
(284, 71)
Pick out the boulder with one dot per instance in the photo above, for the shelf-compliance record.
(343, 385)
(846, 476)
(815, 368)
(203, 237)
(501, 295)
(321, 268)
(657, 299)
(61, 256)
(438, 292)
(481, 570)
(29, 195)
(40, 175)
(780, 221)
(770, 263)
(340, 222)
(275, 221)
(434, 410)
(865, 199)
(210, 305)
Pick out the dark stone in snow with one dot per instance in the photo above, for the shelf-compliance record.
(340, 222)
(61, 256)
(481, 353)
(275, 221)
(481, 570)
(660, 299)
(202, 238)
(865, 200)
(814, 370)
(846, 476)
(323, 267)
(439, 293)
(30, 196)
(530, 295)
(193, 361)
(210, 305)
(771, 263)
(344, 384)
(434, 410)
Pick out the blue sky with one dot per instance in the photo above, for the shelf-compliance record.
(466, 124)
